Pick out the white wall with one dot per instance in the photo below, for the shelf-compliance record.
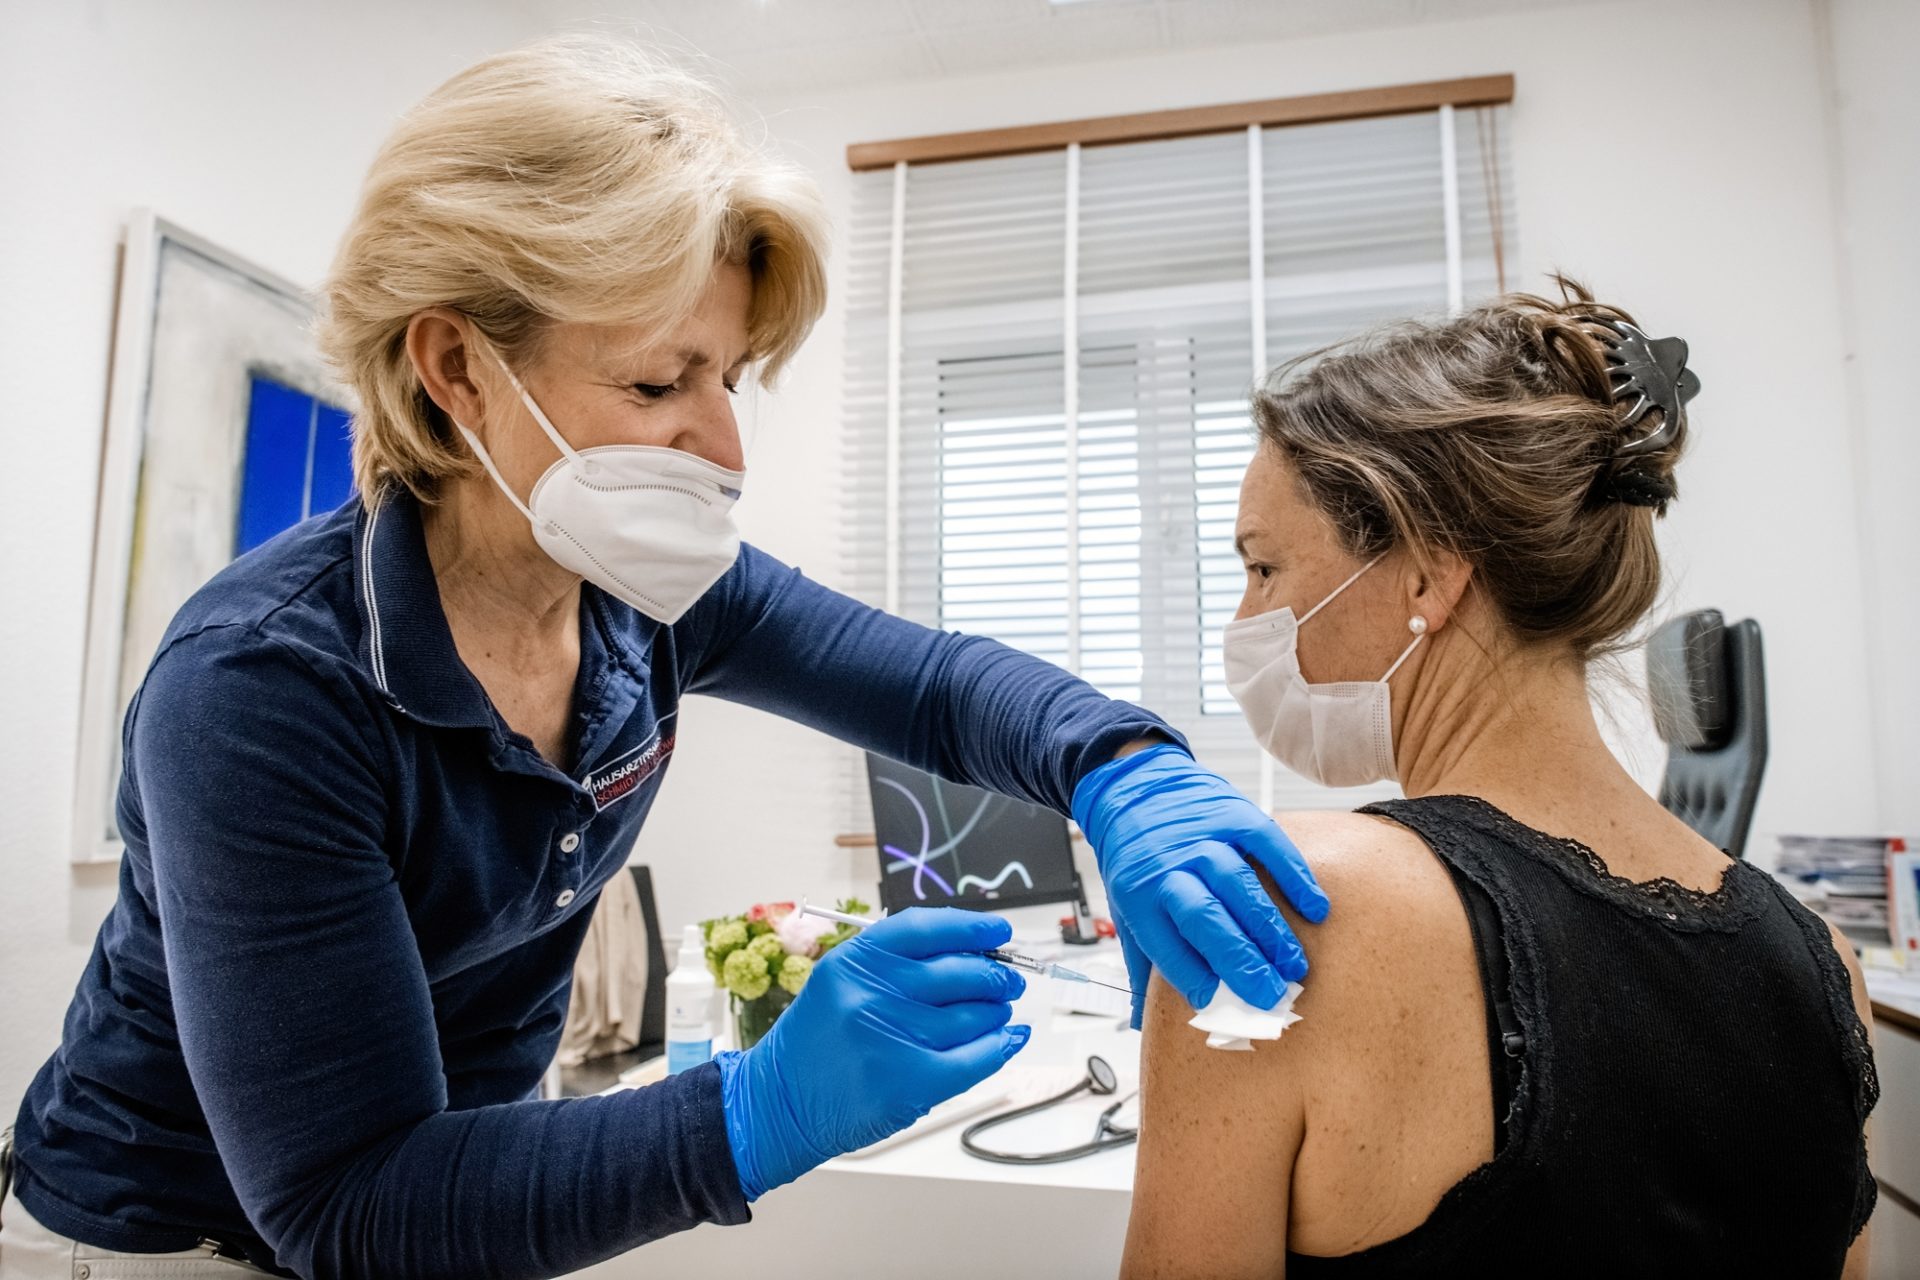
(250, 124)
(1876, 155)
(1691, 182)
(1688, 180)
(1695, 187)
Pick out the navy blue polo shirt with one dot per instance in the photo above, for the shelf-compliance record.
(339, 962)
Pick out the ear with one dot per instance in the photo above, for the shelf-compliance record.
(443, 353)
(1435, 588)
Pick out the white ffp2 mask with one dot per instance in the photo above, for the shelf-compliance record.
(650, 526)
(1338, 735)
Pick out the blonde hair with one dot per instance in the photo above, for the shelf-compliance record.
(1493, 435)
(574, 180)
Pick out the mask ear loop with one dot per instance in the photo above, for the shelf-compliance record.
(1404, 655)
(1337, 590)
(1417, 625)
(500, 481)
(587, 466)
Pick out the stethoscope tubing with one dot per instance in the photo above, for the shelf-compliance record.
(1106, 1134)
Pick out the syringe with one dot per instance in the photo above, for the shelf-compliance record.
(1012, 959)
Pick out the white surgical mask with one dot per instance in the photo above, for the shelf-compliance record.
(650, 526)
(1338, 735)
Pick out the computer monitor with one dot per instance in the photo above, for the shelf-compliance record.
(943, 844)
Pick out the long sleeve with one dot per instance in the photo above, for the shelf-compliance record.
(306, 1017)
(964, 707)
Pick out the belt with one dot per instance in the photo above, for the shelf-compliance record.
(215, 1248)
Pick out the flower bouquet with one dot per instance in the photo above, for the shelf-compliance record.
(763, 958)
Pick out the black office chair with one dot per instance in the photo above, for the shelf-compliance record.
(1709, 690)
(653, 1013)
(596, 1074)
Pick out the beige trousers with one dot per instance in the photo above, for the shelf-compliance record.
(29, 1251)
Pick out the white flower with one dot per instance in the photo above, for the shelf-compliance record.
(801, 934)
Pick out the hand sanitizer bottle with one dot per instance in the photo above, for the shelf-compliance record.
(690, 991)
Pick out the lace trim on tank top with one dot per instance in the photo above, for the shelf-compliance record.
(1856, 1050)
(1745, 891)
(1743, 894)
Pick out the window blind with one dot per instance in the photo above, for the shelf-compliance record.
(1049, 358)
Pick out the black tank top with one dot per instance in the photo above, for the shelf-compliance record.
(1680, 1077)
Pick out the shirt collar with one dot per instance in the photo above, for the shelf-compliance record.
(405, 642)
(407, 646)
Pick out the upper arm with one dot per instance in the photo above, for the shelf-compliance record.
(1242, 1154)
(298, 992)
(1219, 1131)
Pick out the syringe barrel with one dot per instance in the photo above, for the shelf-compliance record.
(1014, 960)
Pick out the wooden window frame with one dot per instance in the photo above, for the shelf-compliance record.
(1186, 122)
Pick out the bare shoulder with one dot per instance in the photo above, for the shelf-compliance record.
(1393, 985)
(1348, 1128)
(1390, 896)
(1360, 849)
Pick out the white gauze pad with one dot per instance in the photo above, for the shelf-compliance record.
(1232, 1023)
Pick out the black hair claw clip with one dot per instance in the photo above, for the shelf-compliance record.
(1653, 373)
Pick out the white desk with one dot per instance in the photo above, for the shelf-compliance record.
(926, 1209)
(1895, 1148)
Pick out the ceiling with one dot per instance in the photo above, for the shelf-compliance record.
(787, 46)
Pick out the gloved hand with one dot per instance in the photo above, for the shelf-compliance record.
(906, 1014)
(1169, 836)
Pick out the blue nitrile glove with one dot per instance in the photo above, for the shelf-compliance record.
(1169, 836)
(904, 1015)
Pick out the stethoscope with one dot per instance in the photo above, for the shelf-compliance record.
(1106, 1134)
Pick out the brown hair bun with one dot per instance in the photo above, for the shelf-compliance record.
(1494, 435)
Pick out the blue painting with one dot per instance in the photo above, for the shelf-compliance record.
(224, 428)
(297, 461)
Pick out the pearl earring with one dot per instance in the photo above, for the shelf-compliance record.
(1417, 625)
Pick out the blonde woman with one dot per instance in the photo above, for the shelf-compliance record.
(1556, 1033)
(380, 768)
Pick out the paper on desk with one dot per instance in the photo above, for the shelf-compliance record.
(1893, 986)
(1108, 971)
(1232, 1023)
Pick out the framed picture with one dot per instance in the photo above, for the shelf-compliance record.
(223, 428)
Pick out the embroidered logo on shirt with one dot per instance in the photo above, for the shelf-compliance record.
(623, 776)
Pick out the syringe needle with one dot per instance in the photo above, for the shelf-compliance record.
(1071, 975)
(1012, 959)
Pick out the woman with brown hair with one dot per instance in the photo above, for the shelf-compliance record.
(1555, 1032)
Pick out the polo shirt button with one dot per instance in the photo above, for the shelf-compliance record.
(570, 842)
(566, 896)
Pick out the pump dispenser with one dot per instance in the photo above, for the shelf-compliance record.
(690, 992)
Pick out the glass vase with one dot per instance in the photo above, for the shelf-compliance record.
(752, 1019)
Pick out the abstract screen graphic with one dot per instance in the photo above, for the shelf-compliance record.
(942, 843)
